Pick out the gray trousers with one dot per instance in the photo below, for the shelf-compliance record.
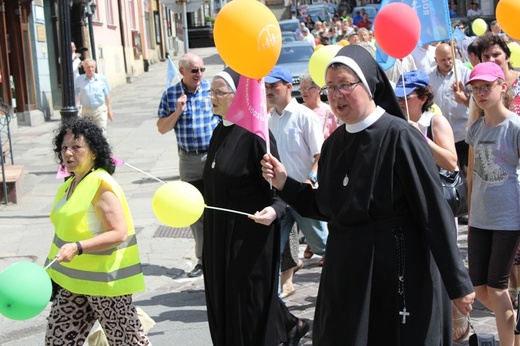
(191, 166)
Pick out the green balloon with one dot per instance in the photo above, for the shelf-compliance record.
(25, 290)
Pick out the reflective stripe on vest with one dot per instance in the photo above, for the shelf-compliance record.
(111, 272)
(131, 240)
(119, 274)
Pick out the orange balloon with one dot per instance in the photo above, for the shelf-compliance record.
(248, 37)
(343, 43)
(318, 46)
(508, 12)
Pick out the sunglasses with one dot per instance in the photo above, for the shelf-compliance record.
(196, 70)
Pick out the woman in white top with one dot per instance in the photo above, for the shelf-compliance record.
(419, 99)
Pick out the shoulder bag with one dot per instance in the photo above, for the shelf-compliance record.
(481, 339)
(454, 186)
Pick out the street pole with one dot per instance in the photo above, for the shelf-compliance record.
(185, 26)
(91, 9)
(68, 109)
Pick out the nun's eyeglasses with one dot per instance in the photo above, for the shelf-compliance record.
(344, 88)
(219, 93)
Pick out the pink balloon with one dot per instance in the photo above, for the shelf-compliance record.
(397, 29)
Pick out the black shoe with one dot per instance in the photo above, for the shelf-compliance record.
(197, 271)
(463, 220)
(297, 333)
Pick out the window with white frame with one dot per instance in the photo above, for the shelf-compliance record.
(109, 12)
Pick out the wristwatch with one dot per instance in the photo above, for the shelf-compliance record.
(313, 177)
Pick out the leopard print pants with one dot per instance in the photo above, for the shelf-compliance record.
(72, 317)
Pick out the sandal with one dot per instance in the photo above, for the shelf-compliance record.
(321, 262)
(308, 252)
(298, 266)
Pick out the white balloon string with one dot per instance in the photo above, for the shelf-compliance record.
(229, 210)
(52, 262)
(148, 174)
(161, 181)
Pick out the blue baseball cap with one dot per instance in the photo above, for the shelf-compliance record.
(411, 80)
(278, 73)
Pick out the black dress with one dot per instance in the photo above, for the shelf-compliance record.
(241, 257)
(380, 192)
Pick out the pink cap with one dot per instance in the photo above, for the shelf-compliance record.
(486, 71)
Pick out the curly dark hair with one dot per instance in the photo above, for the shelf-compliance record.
(95, 139)
(425, 92)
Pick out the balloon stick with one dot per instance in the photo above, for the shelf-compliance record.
(161, 181)
(148, 174)
(229, 210)
(52, 262)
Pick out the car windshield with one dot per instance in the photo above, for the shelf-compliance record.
(295, 54)
(288, 37)
(315, 11)
(290, 26)
(317, 15)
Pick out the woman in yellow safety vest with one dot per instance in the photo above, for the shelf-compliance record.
(97, 266)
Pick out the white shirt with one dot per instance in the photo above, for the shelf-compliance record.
(309, 39)
(474, 13)
(424, 58)
(456, 113)
(298, 137)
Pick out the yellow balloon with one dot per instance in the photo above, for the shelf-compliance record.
(515, 54)
(178, 204)
(318, 46)
(343, 43)
(319, 61)
(248, 37)
(508, 12)
(479, 26)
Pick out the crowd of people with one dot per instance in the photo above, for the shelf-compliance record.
(341, 29)
(357, 175)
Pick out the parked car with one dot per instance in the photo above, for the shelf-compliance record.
(289, 25)
(318, 13)
(376, 6)
(295, 57)
(288, 36)
(332, 7)
(370, 10)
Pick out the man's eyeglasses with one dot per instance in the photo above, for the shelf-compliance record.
(343, 88)
(408, 97)
(219, 93)
(486, 89)
(196, 70)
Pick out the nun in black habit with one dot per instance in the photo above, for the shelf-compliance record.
(241, 254)
(392, 256)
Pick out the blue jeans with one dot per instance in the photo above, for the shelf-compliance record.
(315, 231)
